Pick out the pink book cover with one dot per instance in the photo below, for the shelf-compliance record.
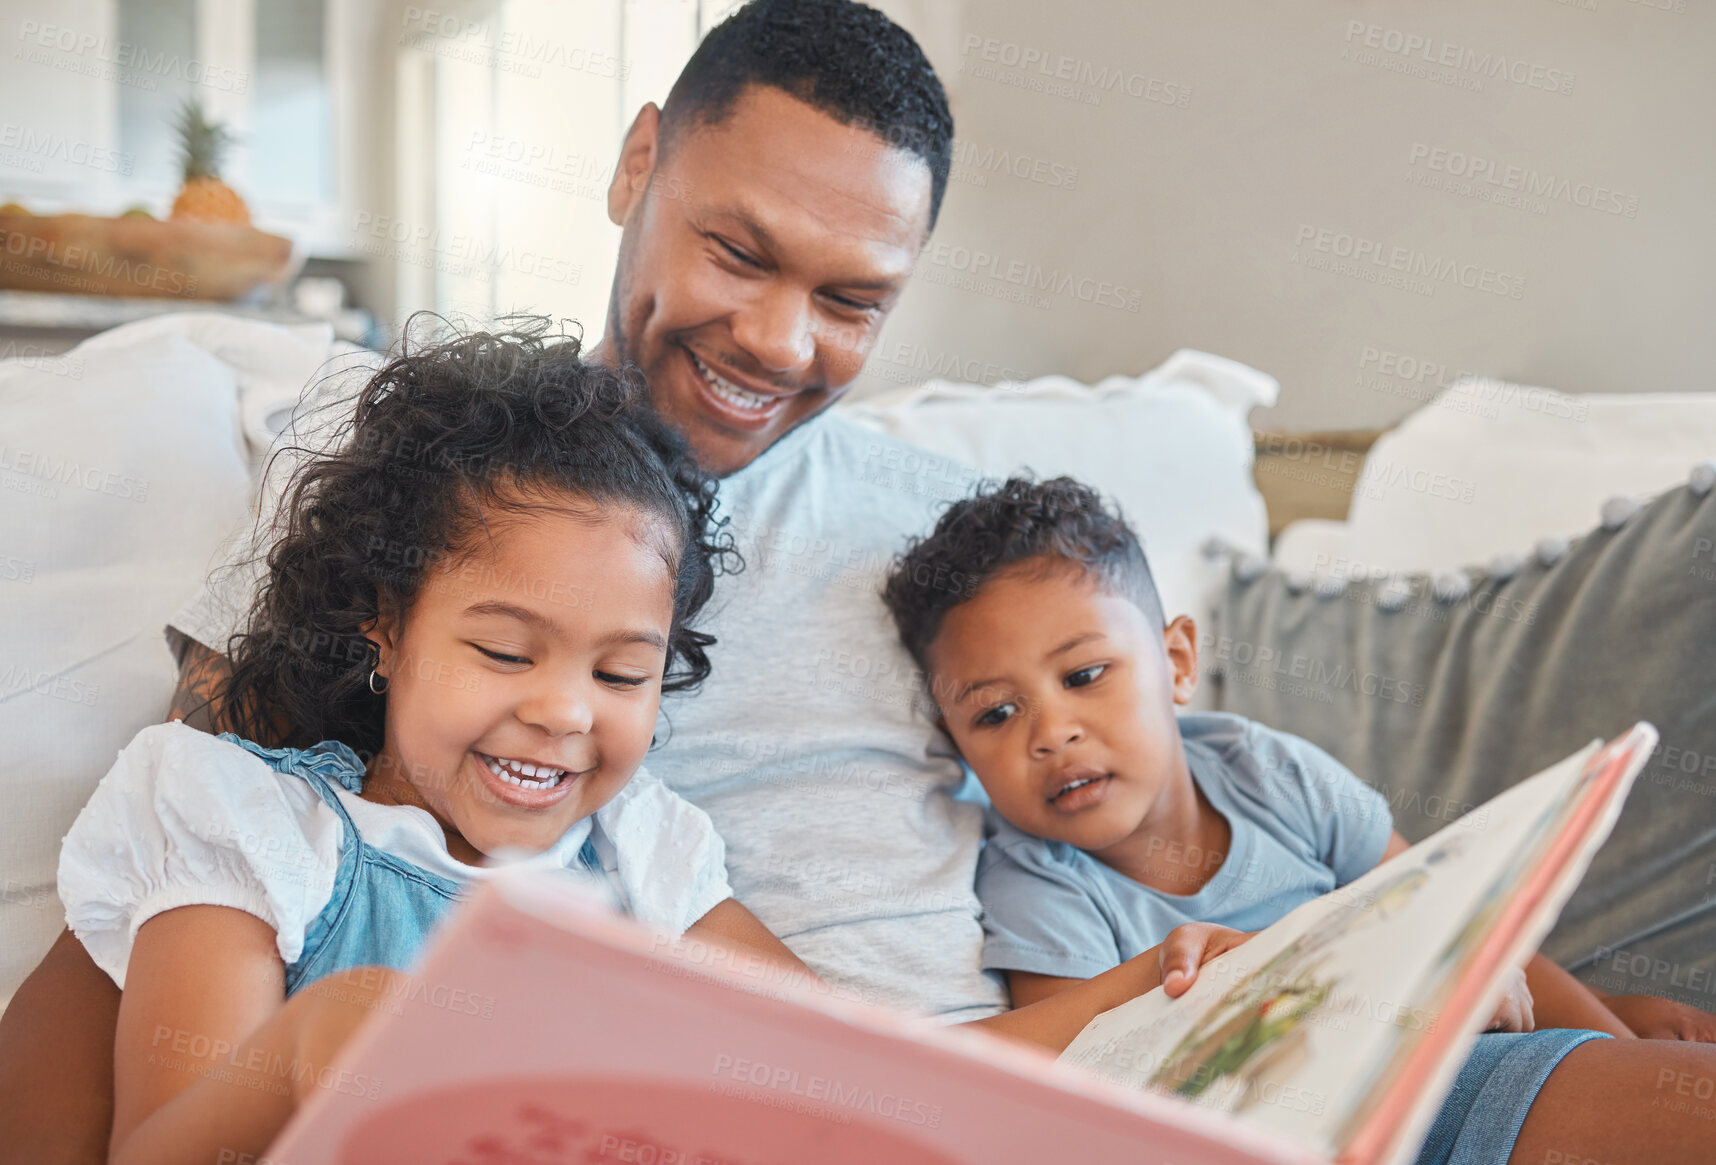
(541, 1029)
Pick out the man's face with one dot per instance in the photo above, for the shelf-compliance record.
(759, 257)
(1061, 698)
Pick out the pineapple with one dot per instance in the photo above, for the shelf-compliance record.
(204, 197)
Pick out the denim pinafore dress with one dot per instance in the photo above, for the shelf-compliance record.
(383, 907)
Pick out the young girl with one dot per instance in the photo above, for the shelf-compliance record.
(464, 631)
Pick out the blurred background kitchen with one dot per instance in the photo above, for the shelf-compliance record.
(1365, 198)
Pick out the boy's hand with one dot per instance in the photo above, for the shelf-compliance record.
(1189, 947)
(1653, 1018)
(1514, 1012)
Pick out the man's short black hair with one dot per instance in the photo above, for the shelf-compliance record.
(1060, 521)
(846, 59)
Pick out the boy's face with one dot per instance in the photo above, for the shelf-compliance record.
(1061, 698)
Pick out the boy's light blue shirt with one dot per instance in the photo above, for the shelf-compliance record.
(1302, 826)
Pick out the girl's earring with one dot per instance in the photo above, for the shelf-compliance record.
(384, 683)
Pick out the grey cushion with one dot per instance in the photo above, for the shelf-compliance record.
(1442, 702)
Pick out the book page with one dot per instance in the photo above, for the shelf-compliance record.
(1299, 1030)
(543, 1030)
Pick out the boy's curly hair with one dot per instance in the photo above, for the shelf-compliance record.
(1001, 526)
(447, 435)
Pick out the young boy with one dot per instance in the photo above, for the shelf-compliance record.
(1032, 611)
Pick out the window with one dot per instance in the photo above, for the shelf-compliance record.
(510, 125)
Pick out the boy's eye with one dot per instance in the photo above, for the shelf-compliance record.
(500, 657)
(622, 681)
(1085, 675)
(999, 714)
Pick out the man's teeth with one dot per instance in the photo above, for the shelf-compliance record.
(730, 392)
(522, 773)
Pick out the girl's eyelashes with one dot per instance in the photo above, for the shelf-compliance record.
(1085, 675)
(622, 681)
(500, 657)
(999, 714)
(610, 678)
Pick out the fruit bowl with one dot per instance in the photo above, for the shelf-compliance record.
(138, 256)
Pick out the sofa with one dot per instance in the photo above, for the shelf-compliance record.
(130, 463)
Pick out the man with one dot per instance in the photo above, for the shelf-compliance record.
(771, 213)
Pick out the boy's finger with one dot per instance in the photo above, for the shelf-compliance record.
(1181, 955)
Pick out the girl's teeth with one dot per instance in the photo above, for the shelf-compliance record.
(525, 776)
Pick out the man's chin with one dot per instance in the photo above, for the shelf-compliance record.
(721, 451)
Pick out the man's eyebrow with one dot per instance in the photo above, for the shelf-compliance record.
(543, 623)
(743, 217)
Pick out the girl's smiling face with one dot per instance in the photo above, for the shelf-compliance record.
(523, 682)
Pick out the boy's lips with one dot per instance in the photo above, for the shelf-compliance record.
(1078, 787)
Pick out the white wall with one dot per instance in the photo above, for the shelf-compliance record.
(1202, 197)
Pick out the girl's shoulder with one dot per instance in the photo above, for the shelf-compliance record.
(188, 778)
(668, 859)
(329, 760)
(184, 818)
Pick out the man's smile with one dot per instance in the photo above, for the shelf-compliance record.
(736, 405)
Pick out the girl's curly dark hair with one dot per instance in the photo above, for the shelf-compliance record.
(449, 431)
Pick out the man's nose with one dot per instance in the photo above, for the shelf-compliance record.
(777, 331)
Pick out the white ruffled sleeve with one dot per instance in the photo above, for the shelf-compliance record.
(186, 819)
(672, 865)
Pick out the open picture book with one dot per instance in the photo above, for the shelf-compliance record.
(543, 1029)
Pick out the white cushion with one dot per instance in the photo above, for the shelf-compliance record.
(123, 466)
(1172, 447)
(1487, 468)
(1310, 546)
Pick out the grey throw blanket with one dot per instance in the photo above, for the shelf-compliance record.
(1443, 700)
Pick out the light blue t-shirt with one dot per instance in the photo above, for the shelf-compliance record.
(1303, 825)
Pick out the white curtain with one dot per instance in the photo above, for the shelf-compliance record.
(510, 118)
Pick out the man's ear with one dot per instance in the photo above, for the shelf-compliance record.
(637, 162)
(1180, 642)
